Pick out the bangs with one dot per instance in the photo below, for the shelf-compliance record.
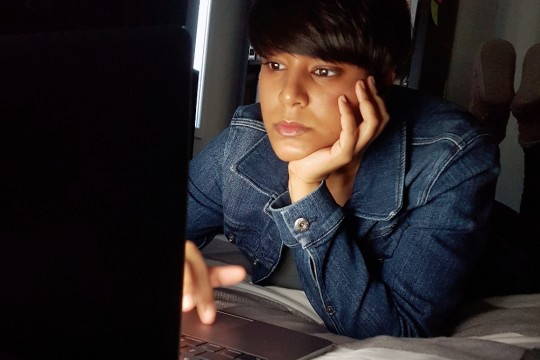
(296, 27)
(346, 31)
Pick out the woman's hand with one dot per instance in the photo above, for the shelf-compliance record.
(199, 281)
(339, 163)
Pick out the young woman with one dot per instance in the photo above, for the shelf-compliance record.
(378, 194)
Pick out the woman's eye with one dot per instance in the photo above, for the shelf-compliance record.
(274, 66)
(324, 72)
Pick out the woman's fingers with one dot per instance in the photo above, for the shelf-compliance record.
(199, 281)
(380, 102)
(349, 128)
(373, 111)
(197, 289)
(226, 275)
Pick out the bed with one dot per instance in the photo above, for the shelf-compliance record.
(504, 327)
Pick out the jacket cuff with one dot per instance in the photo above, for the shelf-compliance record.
(308, 221)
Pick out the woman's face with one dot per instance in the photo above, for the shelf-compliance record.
(299, 102)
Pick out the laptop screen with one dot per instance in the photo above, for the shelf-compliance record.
(95, 136)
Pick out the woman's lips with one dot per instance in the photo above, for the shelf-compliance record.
(286, 128)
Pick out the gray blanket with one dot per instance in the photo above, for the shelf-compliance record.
(500, 328)
(496, 329)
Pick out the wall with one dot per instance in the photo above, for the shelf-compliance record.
(517, 21)
(222, 77)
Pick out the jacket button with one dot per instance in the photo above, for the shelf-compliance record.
(301, 225)
(329, 309)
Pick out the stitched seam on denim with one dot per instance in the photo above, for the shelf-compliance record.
(464, 144)
(425, 195)
(266, 209)
(249, 123)
(323, 236)
(237, 225)
(400, 185)
(257, 252)
(385, 231)
(234, 169)
(254, 185)
(322, 298)
(428, 141)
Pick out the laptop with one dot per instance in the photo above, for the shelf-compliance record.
(233, 336)
(95, 136)
(95, 132)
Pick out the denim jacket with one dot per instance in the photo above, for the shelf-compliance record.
(395, 259)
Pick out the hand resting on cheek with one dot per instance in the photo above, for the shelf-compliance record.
(339, 163)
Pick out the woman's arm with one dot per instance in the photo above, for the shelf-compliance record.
(413, 292)
(205, 208)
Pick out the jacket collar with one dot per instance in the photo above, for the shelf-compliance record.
(378, 190)
(263, 169)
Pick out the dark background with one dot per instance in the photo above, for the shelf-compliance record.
(31, 16)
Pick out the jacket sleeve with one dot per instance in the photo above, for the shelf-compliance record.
(413, 292)
(205, 209)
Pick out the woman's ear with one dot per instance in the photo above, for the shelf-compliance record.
(385, 81)
(389, 78)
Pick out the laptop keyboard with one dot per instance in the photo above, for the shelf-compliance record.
(196, 349)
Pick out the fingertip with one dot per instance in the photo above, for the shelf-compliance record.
(236, 274)
(207, 314)
(360, 89)
(372, 84)
(240, 272)
(342, 104)
(226, 275)
(243, 274)
(188, 302)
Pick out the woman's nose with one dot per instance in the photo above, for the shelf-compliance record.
(293, 91)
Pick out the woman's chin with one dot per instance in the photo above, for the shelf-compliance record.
(291, 155)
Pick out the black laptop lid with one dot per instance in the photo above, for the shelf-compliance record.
(95, 136)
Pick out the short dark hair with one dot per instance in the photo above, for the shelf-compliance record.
(372, 34)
